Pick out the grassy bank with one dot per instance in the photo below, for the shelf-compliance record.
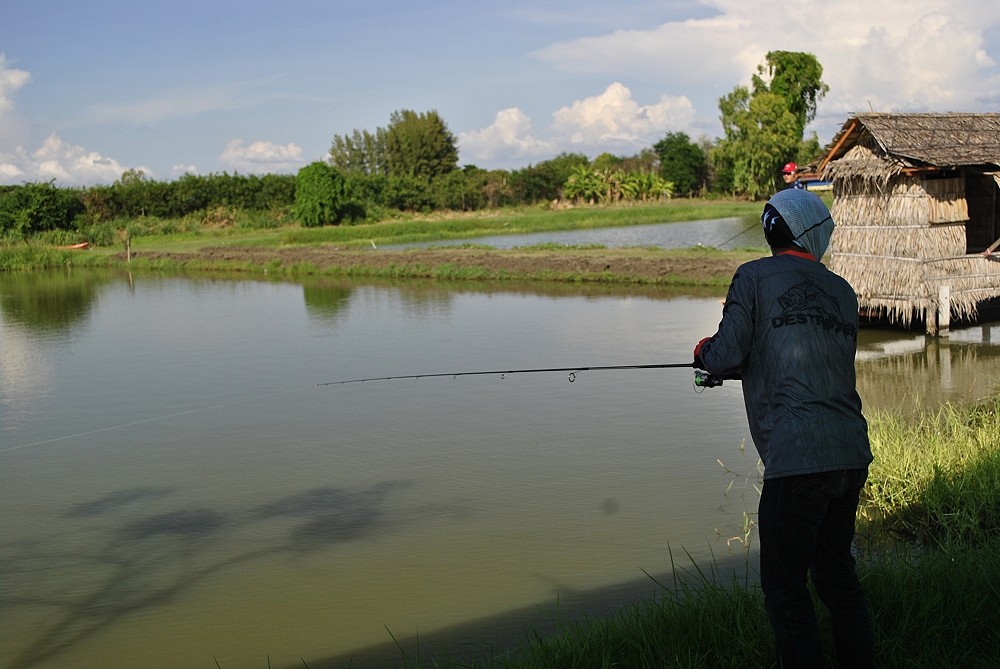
(522, 221)
(109, 240)
(933, 595)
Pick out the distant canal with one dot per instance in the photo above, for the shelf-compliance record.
(178, 492)
(722, 233)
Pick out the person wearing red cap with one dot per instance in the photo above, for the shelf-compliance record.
(789, 176)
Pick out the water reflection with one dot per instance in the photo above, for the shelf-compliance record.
(179, 471)
(325, 300)
(900, 371)
(50, 302)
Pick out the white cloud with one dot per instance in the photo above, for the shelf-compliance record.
(262, 157)
(613, 119)
(181, 170)
(71, 164)
(678, 53)
(10, 81)
(66, 164)
(893, 55)
(510, 137)
(12, 125)
(928, 61)
(10, 174)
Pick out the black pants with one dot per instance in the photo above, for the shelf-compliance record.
(806, 526)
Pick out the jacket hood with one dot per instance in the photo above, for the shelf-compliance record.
(807, 217)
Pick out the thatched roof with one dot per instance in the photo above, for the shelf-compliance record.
(902, 141)
(902, 211)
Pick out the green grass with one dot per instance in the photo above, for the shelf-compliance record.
(936, 608)
(934, 479)
(224, 227)
(190, 235)
(20, 256)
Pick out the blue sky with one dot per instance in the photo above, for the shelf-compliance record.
(88, 90)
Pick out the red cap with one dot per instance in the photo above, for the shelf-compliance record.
(789, 168)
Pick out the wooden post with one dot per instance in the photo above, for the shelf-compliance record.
(944, 356)
(944, 311)
(930, 317)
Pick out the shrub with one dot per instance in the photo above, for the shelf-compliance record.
(320, 195)
(409, 194)
(37, 207)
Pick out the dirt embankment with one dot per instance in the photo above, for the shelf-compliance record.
(640, 266)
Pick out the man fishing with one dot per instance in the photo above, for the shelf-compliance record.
(789, 332)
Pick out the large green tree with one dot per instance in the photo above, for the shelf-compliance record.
(797, 78)
(413, 145)
(763, 127)
(360, 152)
(419, 145)
(682, 162)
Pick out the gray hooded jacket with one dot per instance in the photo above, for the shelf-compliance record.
(789, 332)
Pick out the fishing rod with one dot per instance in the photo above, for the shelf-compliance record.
(701, 378)
(738, 234)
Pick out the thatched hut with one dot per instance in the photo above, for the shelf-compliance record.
(917, 207)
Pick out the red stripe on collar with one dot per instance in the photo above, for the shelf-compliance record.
(797, 254)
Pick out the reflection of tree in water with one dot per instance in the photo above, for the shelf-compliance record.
(929, 375)
(49, 301)
(325, 299)
(149, 560)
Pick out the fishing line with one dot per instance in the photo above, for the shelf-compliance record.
(573, 371)
(738, 234)
(153, 420)
(701, 380)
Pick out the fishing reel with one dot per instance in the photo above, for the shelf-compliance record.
(703, 379)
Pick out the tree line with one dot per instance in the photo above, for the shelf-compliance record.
(412, 165)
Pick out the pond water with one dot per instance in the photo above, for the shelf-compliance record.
(177, 491)
(721, 233)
